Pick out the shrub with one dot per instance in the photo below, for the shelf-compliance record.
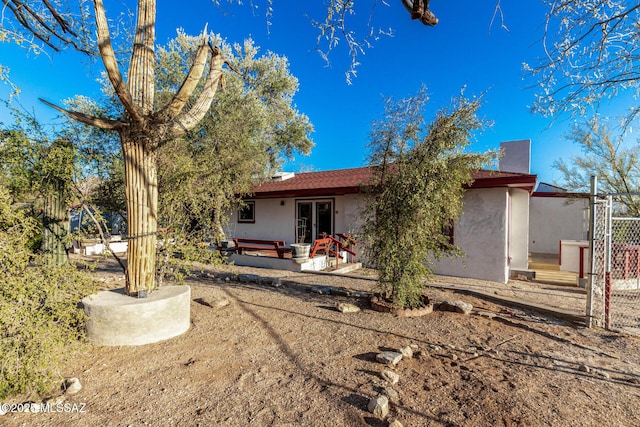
(41, 323)
(416, 192)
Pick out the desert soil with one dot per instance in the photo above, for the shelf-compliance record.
(285, 356)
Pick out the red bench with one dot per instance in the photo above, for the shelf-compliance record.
(257, 244)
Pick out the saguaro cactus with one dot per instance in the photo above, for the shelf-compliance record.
(142, 130)
(57, 174)
(55, 221)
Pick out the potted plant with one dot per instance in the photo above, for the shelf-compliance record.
(300, 251)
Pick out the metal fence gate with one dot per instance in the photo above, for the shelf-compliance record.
(613, 291)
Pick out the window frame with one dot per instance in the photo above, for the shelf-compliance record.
(250, 206)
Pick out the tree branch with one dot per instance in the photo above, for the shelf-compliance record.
(98, 122)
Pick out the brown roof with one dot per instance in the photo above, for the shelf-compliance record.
(348, 181)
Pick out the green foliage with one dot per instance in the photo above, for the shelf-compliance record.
(40, 170)
(40, 322)
(416, 192)
(20, 158)
(616, 165)
(251, 128)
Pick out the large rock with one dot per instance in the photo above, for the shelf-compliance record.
(389, 357)
(407, 351)
(344, 307)
(214, 302)
(456, 306)
(392, 394)
(379, 406)
(71, 386)
(390, 376)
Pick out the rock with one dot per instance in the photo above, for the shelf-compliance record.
(455, 306)
(584, 368)
(379, 406)
(276, 282)
(71, 386)
(54, 400)
(602, 374)
(344, 307)
(341, 292)
(214, 302)
(389, 357)
(390, 376)
(393, 395)
(359, 294)
(406, 351)
(321, 290)
(394, 423)
(248, 278)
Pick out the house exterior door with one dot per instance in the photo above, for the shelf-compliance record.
(313, 217)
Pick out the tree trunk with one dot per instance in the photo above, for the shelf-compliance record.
(142, 212)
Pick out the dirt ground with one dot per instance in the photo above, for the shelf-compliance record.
(285, 356)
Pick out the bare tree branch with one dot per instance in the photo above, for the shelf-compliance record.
(592, 53)
(46, 24)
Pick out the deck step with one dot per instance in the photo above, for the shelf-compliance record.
(543, 266)
(564, 277)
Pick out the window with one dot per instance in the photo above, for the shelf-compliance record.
(247, 213)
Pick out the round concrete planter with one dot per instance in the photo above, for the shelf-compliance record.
(117, 319)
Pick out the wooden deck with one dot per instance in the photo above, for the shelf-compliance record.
(548, 270)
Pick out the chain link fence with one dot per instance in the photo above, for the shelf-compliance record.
(614, 297)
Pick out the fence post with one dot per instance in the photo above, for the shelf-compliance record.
(592, 227)
(607, 264)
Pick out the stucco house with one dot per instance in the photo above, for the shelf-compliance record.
(493, 230)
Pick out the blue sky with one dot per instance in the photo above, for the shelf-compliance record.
(462, 50)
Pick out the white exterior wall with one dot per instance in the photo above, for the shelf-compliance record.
(519, 229)
(481, 233)
(557, 218)
(274, 221)
(353, 207)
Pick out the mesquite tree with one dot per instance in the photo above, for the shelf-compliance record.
(142, 129)
(416, 192)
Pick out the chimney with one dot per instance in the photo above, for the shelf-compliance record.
(515, 156)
